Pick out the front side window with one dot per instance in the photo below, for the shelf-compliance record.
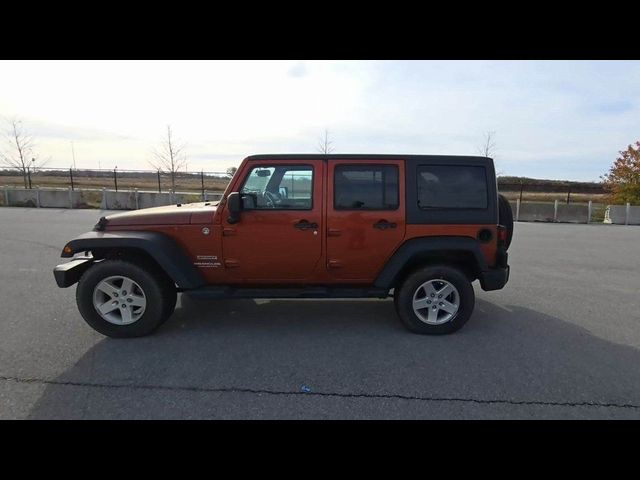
(449, 186)
(278, 187)
(365, 187)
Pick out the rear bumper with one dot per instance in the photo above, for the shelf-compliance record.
(69, 273)
(494, 278)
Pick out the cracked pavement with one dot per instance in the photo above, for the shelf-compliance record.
(561, 340)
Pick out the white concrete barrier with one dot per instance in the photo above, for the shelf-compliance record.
(572, 213)
(149, 199)
(622, 214)
(536, 212)
(551, 212)
(54, 198)
(112, 200)
(106, 199)
(21, 197)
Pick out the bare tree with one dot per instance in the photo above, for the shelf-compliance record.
(20, 149)
(324, 144)
(169, 157)
(231, 171)
(488, 147)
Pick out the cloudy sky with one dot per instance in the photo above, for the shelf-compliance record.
(555, 119)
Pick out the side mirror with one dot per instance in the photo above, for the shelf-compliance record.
(234, 204)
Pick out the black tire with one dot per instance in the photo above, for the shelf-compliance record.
(170, 294)
(403, 299)
(159, 300)
(505, 217)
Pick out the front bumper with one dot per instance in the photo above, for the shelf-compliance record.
(494, 278)
(69, 273)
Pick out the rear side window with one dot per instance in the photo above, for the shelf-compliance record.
(449, 186)
(365, 187)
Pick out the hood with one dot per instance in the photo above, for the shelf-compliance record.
(180, 214)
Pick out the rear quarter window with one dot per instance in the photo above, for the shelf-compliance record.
(452, 187)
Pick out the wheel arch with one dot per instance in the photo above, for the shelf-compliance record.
(152, 248)
(460, 252)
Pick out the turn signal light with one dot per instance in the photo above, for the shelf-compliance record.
(67, 249)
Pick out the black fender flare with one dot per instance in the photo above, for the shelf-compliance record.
(162, 248)
(416, 247)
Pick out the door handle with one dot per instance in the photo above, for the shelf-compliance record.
(305, 225)
(384, 225)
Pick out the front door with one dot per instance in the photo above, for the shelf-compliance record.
(365, 216)
(278, 236)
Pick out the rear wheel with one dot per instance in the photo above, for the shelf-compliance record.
(119, 298)
(435, 300)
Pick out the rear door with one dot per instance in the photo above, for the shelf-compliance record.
(278, 236)
(365, 216)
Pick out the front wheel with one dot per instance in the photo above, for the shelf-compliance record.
(435, 300)
(119, 298)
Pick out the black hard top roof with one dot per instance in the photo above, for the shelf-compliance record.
(365, 156)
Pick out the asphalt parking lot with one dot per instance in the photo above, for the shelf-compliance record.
(562, 340)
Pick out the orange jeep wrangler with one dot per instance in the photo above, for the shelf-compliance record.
(419, 228)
